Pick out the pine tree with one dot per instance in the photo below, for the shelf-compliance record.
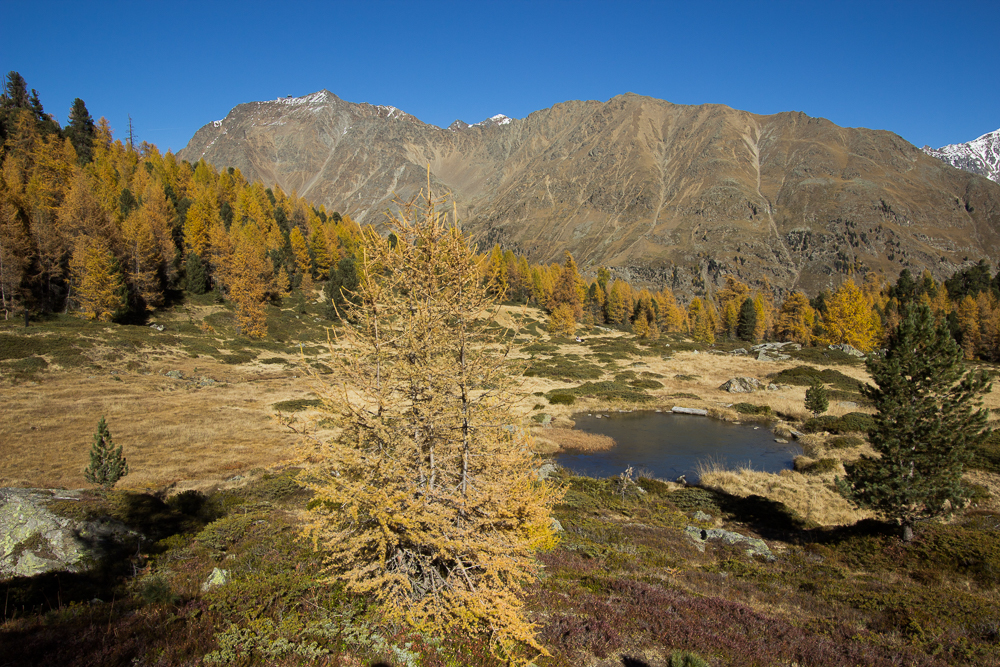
(929, 415)
(746, 326)
(107, 463)
(817, 401)
(195, 275)
(429, 501)
(81, 131)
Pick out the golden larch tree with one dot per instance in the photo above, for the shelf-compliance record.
(796, 319)
(99, 287)
(850, 319)
(429, 500)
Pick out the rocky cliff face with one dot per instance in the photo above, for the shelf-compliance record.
(981, 156)
(663, 193)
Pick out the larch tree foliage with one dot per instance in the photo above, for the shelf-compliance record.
(429, 500)
(850, 319)
(100, 291)
(796, 319)
(929, 415)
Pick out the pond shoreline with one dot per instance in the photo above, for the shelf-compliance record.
(667, 444)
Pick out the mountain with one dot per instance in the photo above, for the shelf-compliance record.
(981, 156)
(662, 193)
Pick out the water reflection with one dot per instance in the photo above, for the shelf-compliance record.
(670, 445)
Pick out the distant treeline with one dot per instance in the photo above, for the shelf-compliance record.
(110, 229)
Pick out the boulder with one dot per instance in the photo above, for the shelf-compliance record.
(755, 546)
(35, 540)
(689, 411)
(742, 385)
(546, 470)
(849, 349)
(219, 577)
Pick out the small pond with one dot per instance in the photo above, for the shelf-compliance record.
(670, 445)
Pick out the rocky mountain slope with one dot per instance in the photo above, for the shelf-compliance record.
(664, 193)
(981, 156)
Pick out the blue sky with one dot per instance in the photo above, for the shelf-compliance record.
(925, 70)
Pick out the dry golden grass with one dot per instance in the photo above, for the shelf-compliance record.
(578, 441)
(810, 496)
(170, 430)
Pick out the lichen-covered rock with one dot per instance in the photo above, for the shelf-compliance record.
(849, 349)
(742, 385)
(34, 540)
(755, 546)
(219, 577)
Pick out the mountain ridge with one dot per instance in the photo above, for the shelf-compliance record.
(979, 156)
(663, 193)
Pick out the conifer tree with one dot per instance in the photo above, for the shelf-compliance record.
(429, 500)
(817, 401)
(81, 131)
(929, 415)
(100, 290)
(746, 326)
(107, 463)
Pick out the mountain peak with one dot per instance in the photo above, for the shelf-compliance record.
(979, 156)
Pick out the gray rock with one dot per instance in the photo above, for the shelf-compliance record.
(219, 577)
(755, 547)
(556, 526)
(742, 385)
(739, 351)
(34, 540)
(781, 441)
(769, 355)
(849, 349)
(701, 516)
(689, 411)
(546, 470)
(177, 375)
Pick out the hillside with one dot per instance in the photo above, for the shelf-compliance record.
(664, 193)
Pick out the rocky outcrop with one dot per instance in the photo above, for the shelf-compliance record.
(34, 539)
(742, 385)
(754, 546)
(662, 193)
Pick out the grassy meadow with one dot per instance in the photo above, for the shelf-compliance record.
(212, 486)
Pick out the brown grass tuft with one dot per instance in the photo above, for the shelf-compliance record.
(578, 441)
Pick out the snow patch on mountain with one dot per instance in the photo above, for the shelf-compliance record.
(980, 156)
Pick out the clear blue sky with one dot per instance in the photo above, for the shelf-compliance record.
(925, 70)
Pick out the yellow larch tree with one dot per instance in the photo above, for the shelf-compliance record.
(429, 500)
(99, 288)
(702, 321)
(968, 324)
(300, 249)
(248, 278)
(796, 319)
(850, 319)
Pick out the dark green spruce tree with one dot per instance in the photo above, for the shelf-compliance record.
(746, 324)
(341, 288)
(929, 416)
(107, 463)
(81, 131)
(817, 401)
